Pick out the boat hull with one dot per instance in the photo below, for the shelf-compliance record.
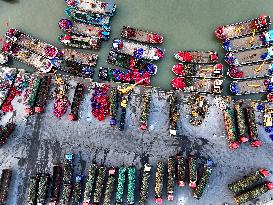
(198, 70)
(141, 35)
(80, 42)
(243, 28)
(83, 17)
(139, 51)
(198, 85)
(197, 56)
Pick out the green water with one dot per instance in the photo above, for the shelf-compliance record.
(185, 24)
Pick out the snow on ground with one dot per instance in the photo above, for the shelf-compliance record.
(43, 140)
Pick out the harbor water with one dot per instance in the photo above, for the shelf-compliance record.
(185, 24)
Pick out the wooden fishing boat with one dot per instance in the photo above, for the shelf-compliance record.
(145, 112)
(99, 185)
(78, 70)
(80, 58)
(33, 44)
(141, 35)
(128, 76)
(251, 86)
(127, 61)
(61, 101)
(3, 58)
(77, 190)
(254, 70)
(174, 114)
(31, 95)
(56, 184)
(90, 181)
(93, 6)
(143, 194)
(252, 127)
(82, 29)
(100, 103)
(198, 85)
(249, 56)
(121, 185)
(5, 184)
(171, 178)
(181, 171)
(159, 177)
(131, 185)
(198, 70)
(75, 106)
(33, 185)
(114, 99)
(7, 80)
(89, 18)
(198, 107)
(43, 188)
(23, 55)
(192, 165)
(204, 179)
(42, 94)
(197, 56)
(109, 186)
(249, 42)
(139, 51)
(84, 42)
(243, 28)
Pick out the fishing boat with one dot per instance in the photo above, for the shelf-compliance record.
(192, 172)
(198, 85)
(147, 97)
(197, 56)
(31, 94)
(89, 18)
(131, 173)
(128, 76)
(33, 44)
(198, 70)
(139, 51)
(114, 98)
(249, 56)
(141, 35)
(127, 61)
(3, 58)
(199, 107)
(251, 86)
(253, 70)
(159, 177)
(80, 58)
(181, 171)
(82, 29)
(109, 186)
(93, 6)
(6, 177)
(84, 42)
(23, 55)
(99, 185)
(78, 70)
(33, 185)
(75, 106)
(143, 194)
(43, 188)
(174, 114)
(90, 181)
(171, 178)
(6, 131)
(252, 127)
(249, 42)
(56, 184)
(77, 190)
(42, 94)
(243, 28)
(61, 101)
(100, 103)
